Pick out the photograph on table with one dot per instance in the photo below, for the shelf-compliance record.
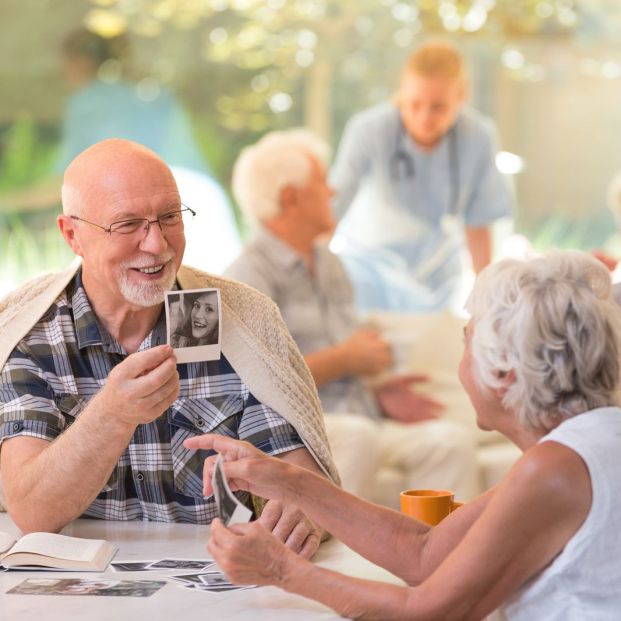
(214, 581)
(193, 324)
(181, 563)
(131, 566)
(80, 586)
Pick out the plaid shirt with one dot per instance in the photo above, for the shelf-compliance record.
(65, 360)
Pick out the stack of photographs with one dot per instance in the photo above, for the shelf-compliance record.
(165, 563)
(212, 581)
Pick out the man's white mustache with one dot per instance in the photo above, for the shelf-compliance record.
(148, 261)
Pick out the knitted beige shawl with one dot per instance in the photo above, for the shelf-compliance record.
(255, 341)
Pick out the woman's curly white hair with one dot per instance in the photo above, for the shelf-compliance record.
(551, 321)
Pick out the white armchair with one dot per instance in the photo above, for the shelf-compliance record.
(433, 345)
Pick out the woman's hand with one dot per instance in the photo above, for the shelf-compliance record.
(249, 554)
(245, 467)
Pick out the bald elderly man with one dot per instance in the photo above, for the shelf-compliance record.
(94, 408)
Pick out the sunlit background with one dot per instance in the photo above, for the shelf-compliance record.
(547, 71)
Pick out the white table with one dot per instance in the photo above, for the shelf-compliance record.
(152, 541)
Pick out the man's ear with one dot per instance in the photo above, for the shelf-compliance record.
(506, 379)
(68, 230)
(288, 198)
(463, 92)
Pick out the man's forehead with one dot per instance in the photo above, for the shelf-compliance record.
(113, 164)
(141, 206)
(104, 185)
(117, 179)
(414, 84)
(117, 204)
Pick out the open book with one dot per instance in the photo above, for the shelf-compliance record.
(51, 552)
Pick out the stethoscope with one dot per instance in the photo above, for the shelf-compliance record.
(402, 160)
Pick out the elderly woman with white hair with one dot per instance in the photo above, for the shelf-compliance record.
(541, 365)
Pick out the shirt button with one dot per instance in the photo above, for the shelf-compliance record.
(140, 477)
(200, 422)
(17, 427)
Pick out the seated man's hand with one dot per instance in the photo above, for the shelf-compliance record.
(292, 527)
(606, 259)
(366, 353)
(249, 553)
(140, 388)
(400, 403)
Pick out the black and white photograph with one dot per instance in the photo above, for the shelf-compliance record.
(193, 321)
(217, 581)
(186, 579)
(214, 581)
(181, 563)
(78, 586)
(131, 566)
(230, 510)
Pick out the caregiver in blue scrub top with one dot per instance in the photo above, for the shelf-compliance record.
(416, 186)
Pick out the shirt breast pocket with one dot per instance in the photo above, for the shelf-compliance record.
(192, 416)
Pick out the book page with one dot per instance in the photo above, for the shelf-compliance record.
(58, 546)
(6, 541)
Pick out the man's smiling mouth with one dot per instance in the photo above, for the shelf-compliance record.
(150, 270)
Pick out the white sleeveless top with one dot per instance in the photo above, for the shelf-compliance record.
(583, 583)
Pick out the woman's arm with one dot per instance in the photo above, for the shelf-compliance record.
(346, 517)
(248, 554)
(378, 533)
(479, 241)
(527, 523)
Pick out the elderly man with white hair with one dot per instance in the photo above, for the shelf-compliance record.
(541, 365)
(280, 183)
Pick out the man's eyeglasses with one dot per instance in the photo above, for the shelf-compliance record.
(166, 222)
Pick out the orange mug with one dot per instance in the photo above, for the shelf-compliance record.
(428, 505)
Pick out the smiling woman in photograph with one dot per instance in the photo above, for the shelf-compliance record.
(200, 321)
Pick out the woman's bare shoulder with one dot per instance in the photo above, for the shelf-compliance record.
(554, 472)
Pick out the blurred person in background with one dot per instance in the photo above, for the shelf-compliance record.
(412, 177)
(373, 421)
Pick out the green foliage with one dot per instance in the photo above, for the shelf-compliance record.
(564, 231)
(30, 245)
(26, 157)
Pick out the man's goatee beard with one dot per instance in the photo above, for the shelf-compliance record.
(149, 293)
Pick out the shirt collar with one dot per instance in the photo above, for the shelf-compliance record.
(87, 327)
(281, 253)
